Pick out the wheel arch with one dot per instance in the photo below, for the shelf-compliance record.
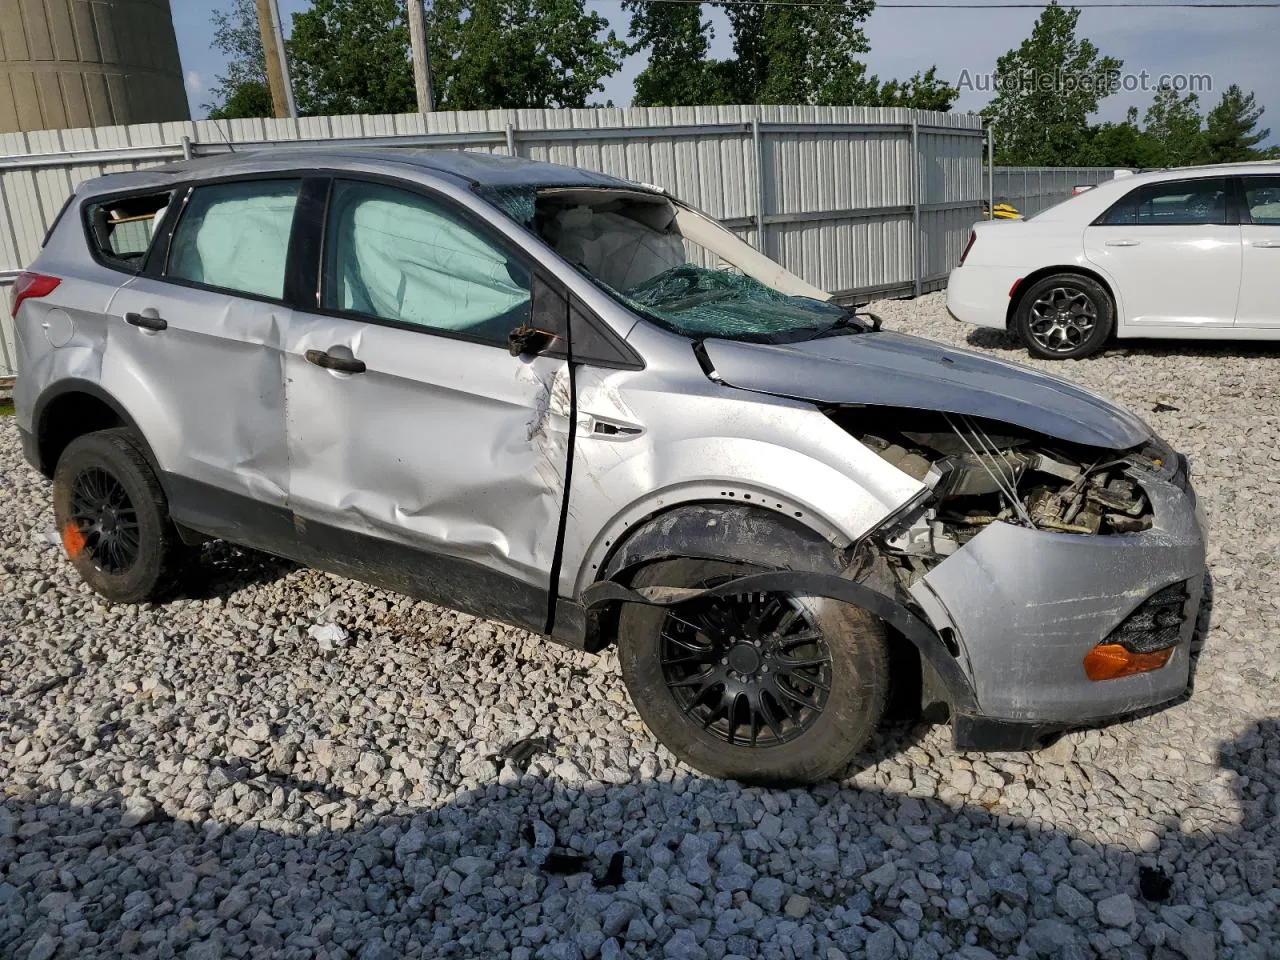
(1031, 279)
(71, 408)
(749, 533)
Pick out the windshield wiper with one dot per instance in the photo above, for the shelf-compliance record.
(853, 323)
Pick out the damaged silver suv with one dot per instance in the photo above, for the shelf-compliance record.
(574, 404)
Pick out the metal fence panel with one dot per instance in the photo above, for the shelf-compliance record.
(857, 200)
(1032, 189)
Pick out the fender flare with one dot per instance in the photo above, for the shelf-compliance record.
(62, 388)
(740, 532)
(960, 692)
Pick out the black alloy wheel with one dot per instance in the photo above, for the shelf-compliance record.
(105, 521)
(750, 669)
(113, 517)
(768, 688)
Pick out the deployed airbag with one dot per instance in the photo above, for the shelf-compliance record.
(616, 250)
(399, 256)
(236, 236)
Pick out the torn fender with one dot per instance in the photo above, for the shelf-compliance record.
(959, 691)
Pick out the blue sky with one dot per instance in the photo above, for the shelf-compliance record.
(1230, 46)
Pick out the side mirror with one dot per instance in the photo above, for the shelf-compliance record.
(525, 340)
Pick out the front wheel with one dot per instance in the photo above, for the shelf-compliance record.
(1067, 316)
(766, 688)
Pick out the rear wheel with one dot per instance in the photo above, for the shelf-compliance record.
(113, 517)
(1066, 316)
(766, 688)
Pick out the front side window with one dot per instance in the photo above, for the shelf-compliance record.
(1262, 199)
(121, 229)
(1173, 204)
(395, 255)
(235, 236)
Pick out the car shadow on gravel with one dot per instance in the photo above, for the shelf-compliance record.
(222, 569)
(519, 867)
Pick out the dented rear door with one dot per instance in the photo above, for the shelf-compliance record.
(193, 352)
(420, 449)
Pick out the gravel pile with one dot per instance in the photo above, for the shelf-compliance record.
(288, 763)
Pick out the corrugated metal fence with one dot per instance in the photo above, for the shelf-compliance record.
(1032, 189)
(859, 201)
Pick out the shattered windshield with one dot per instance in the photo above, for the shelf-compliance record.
(677, 268)
(697, 302)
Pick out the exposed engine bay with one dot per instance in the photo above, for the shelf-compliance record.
(981, 472)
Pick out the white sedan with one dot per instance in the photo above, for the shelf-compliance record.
(1189, 253)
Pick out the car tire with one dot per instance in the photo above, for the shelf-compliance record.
(807, 746)
(113, 518)
(1066, 316)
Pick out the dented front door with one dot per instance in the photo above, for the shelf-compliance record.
(453, 449)
(423, 456)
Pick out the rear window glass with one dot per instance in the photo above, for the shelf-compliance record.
(121, 229)
(1262, 197)
(1172, 204)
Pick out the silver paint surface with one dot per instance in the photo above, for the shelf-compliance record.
(459, 448)
(1027, 605)
(896, 370)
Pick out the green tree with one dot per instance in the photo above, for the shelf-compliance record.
(798, 54)
(781, 54)
(1046, 91)
(242, 90)
(1123, 144)
(923, 91)
(352, 56)
(1173, 125)
(678, 71)
(1231, 133)
(488, 54)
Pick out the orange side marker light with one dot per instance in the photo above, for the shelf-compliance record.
(1109, 661)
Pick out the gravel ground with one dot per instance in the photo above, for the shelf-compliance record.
(226, 774)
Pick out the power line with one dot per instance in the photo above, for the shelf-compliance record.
(1118, 5)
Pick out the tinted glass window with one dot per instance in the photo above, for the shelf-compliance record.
(235, 236)
(1262, 198)
(1177, 203)
(396, 255)
(121, 230)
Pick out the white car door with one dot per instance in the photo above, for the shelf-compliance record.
(1259, 304)
(1173, 251)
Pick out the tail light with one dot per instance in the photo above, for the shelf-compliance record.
(32, 286)
(973, 235)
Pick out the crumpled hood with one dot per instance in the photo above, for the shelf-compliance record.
(895, 370)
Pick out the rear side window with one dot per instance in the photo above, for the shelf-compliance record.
(1262, 200)
(398, 256)
(121, 229)
(1173, 204)
(235, 236)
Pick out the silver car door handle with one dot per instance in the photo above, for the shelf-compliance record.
(1122, 243)
(1267, 244)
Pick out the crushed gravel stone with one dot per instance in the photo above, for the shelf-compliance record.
(286, 763)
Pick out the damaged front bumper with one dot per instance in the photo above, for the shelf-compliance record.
(1022, 608)
(1006, 622)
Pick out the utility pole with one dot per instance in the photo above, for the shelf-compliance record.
(277, 64)
(421, 62)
